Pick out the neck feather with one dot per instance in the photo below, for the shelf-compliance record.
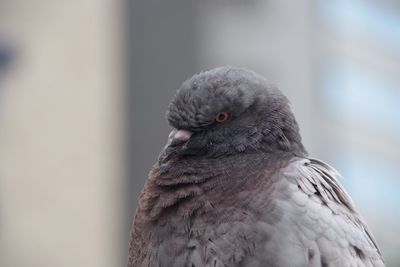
(194, 185)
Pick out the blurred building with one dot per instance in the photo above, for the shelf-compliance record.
(82, 107)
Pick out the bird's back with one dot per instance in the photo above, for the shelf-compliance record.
(319, 224)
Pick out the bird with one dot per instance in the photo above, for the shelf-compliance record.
(235, 186)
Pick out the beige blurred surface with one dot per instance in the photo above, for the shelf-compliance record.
(60, 135)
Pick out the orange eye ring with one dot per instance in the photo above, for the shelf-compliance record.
(221, 117)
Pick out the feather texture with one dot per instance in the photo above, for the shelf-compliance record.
(296, 215)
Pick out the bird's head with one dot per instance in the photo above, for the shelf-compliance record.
(226, 111)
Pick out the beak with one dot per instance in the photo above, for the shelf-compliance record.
(176, 141)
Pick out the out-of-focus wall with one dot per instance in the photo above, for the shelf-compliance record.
(163, 50)
(61, 135)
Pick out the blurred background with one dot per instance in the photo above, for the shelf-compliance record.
(84, 86)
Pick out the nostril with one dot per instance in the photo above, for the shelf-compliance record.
(179, 137)
(183, 135)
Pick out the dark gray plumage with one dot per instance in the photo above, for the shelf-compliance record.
(234, 186)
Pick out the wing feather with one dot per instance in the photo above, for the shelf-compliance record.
(330, 217)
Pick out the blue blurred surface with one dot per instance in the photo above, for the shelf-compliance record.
(369, 18)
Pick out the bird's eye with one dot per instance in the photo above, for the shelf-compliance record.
(221, 117)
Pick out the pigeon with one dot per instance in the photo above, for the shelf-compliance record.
(234, 186)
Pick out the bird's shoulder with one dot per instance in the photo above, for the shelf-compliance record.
(322, 215)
